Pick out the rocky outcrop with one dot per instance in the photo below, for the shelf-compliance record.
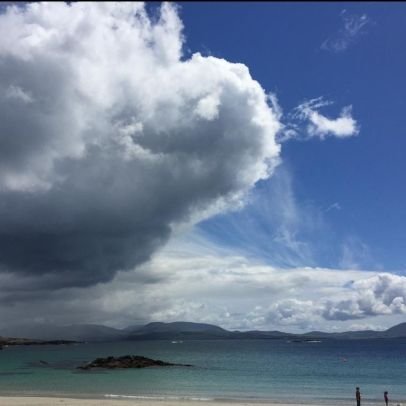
(127, 361)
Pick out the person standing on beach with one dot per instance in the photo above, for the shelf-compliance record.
(358, 396)
(385, 396)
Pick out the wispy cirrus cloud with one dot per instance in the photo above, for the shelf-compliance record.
(273, 225)
(355, 254)
(306, 121)
(353, 26)
(322, 126)
(319, 125)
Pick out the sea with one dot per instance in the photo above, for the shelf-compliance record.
(313, 372)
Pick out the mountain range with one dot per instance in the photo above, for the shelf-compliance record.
(182, 331)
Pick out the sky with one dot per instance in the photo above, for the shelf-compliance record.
(236, 164)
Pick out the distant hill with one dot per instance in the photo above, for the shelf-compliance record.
(182, 326)
(76, 332)
(131, 328)
(346, 334)
(198, 331)
(396, 331)
(184, 331)
(179, 330)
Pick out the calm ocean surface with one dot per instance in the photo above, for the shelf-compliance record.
(326, 372)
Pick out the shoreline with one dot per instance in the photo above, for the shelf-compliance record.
(142, 401)
(123, 400)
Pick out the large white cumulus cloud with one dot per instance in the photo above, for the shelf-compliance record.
(109, 138)
(381, 294)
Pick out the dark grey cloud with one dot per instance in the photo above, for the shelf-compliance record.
(109, 140)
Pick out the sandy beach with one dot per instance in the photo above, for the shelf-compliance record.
(52, 401)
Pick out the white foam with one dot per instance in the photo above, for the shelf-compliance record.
(111, 395)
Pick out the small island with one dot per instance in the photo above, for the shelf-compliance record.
(127, 361)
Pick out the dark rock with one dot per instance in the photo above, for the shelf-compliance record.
(127, 361)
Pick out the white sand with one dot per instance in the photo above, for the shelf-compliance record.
(50, 401)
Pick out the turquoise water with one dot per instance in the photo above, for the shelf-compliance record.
(326, 372)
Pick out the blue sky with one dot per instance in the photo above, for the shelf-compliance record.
(360, 179)
(240, 164)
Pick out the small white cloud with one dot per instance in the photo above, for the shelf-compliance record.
(305, 121)
(334, 206)
(353, 25)
(321, 126)
(343, 126)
